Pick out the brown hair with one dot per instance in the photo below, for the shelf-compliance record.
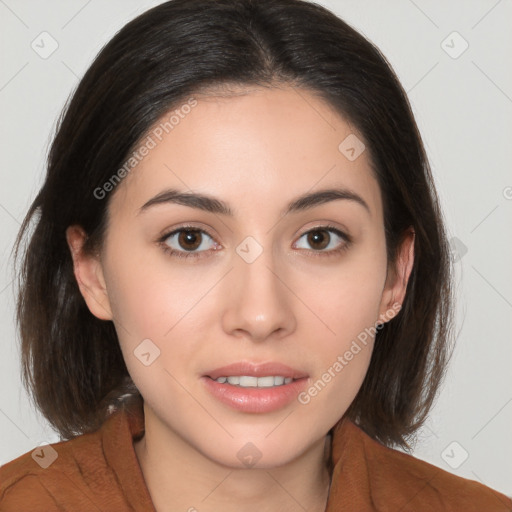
(72, 362)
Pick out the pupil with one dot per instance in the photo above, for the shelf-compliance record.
(189, 237)
(192, 237)
(317, 237)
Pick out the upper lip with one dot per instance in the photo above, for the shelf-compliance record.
(256, 370)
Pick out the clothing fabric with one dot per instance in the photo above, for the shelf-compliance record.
(100, 472)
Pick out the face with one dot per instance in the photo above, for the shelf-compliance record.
(272, 289)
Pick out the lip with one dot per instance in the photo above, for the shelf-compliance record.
(256, 370)
(252, 399)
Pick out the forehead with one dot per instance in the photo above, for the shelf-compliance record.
(270, 144)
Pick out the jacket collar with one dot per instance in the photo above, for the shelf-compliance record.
(350, 487)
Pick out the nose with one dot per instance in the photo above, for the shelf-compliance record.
(259, 302)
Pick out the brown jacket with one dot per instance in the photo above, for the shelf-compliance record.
(100, 472)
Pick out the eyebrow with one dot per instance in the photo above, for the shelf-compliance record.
(217, 206)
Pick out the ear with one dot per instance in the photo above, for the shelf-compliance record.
(397, 278)
(89, 274)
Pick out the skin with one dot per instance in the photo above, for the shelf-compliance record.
(256, 151)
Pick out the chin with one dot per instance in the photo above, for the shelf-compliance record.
(258, 452)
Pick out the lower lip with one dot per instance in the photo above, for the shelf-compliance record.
(255, 400)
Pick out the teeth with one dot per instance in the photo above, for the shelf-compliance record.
(247, 381)
(267, 382)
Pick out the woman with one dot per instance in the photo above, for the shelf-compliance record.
(237, 291)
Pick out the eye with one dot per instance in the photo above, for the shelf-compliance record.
(186, 242)
(323, 242)
(190, 242)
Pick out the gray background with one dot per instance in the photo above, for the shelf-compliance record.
(463, 105)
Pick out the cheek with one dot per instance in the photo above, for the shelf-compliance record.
(159, 306)
(148, 294)
(347, 296)
(342, 357)
(348, 305)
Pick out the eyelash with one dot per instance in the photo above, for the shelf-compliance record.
(188, 254)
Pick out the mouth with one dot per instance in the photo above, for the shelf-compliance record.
(249, 381)
(258, 371)
(253, 388)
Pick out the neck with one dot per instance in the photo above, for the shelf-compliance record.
(180, 478)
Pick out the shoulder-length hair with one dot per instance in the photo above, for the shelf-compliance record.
(72, 362)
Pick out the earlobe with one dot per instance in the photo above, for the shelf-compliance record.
(89, 274)
(398, 277)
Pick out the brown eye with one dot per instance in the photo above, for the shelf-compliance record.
(189, 239)
(318, 239)
(184, 242)
(325, 240)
